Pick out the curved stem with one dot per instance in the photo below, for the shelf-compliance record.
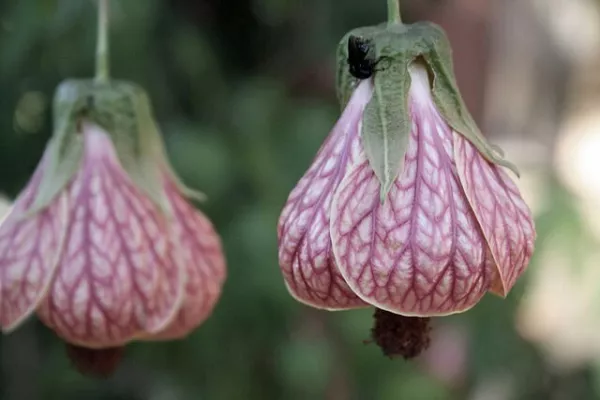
(102, 50)
(394, 14)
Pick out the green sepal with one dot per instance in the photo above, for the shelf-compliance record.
(123, 110)
(450, 103)
(65, 147)
(387, 124)
(386, 121)
(153, 149)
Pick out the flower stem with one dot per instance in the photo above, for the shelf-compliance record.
(394, 14)
(102, 51)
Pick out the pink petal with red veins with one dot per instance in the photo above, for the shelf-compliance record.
(118, 278)
(200, 252)
(30, 248)
(305, 255)
(421, 253)
(504, 217)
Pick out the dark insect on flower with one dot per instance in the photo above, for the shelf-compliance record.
(360, 57)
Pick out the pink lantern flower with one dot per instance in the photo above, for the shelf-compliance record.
(406, 207)
(102, 242)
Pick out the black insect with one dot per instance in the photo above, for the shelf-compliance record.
(361, 57)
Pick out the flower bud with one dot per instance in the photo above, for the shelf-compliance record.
(102, 242)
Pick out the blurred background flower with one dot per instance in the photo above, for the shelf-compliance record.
(244, 91)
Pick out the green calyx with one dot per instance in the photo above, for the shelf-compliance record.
(124, 111)
(386, 120)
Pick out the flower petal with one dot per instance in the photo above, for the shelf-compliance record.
(504, 217)
(421, 252)
(201, 254)
(30, 247)
(118, 278)
(305, 255)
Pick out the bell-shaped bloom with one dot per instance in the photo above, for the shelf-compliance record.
(451, 227)
(102, 259)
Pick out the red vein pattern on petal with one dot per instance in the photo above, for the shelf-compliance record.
(504, 217)
(305, 255)
(30, 248)
(202, 256)
(421, 253)
(118, 279)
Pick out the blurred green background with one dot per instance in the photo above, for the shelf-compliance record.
(244, 92)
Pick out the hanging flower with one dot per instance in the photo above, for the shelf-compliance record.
(406, 207)
(102, 243)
